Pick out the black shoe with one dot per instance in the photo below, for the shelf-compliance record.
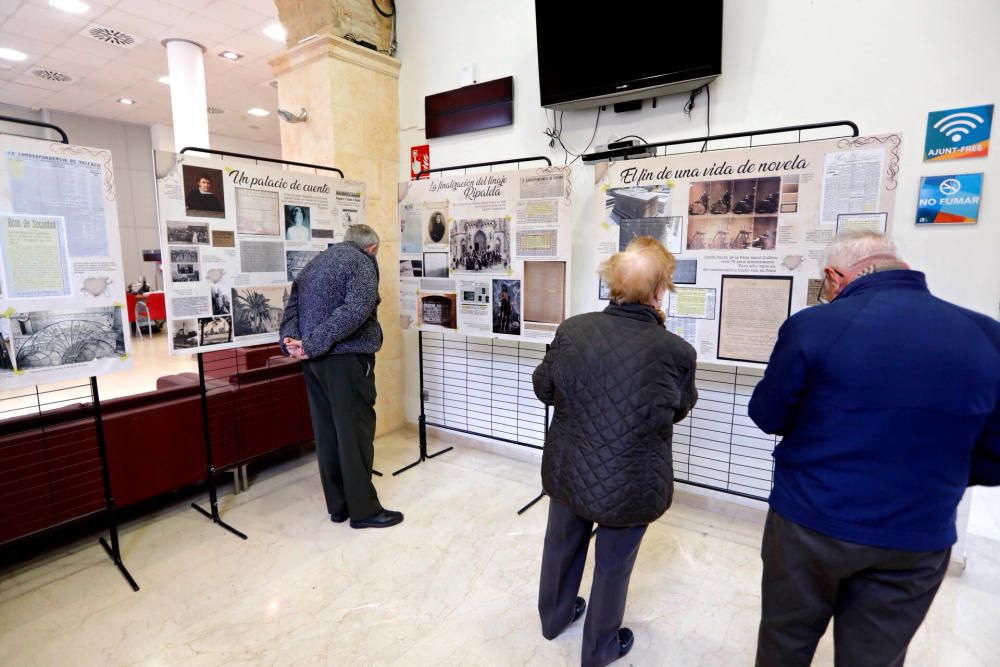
(340, 518)
(383, 519)
(625, 641)
(578, 609)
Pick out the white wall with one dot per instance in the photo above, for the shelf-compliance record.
(881, 63)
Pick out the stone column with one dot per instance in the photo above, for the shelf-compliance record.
(351, 95)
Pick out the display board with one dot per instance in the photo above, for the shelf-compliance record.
(62, 288)
(233, 237)
(486, 255)
(749, 228)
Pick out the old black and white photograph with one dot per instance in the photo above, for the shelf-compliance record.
(45, 339)
(411, 268)
(297, 223)
(204, 188)
(507, 307)
(258, 310)
(435, 265)
(215, 330)
(184, 333)
(221, 305)
(184, 265)
(191, 233)
(651, 201)
(435, 227)
(480, 246)
(665, 230)
(296, 260)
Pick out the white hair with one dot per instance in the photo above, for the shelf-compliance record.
(852, 247)
(363, 235)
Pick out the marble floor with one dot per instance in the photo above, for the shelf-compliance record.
(455, 584)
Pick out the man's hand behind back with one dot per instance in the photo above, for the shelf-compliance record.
(294, 348)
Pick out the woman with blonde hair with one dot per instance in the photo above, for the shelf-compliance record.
(619, 381)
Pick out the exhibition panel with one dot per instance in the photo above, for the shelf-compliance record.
(486, 254)
(235, 236)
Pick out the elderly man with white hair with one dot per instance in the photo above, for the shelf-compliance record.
(887, 400)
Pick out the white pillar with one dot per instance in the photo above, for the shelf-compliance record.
(188, 102)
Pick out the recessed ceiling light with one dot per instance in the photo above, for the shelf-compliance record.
(276, 32)
(230, 55)
(164, 79)
(12, 54)
(70, 6)
(256, 111)
(126, 100)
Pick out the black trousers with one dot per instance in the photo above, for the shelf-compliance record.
(567, 538)
(876, 597)
(341, 389)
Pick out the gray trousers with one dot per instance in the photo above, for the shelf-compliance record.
(876, 597)
(341, 389)
(567, 539)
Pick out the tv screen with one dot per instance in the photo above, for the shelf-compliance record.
(590, 58)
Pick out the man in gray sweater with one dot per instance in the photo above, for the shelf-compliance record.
(330, 324)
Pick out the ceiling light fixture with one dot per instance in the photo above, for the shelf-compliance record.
(276, 32)
(12, 54)
(70, 6)
(230, 55)
(256, 111)
(126, 100)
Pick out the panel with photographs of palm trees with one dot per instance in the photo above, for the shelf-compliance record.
(258, 310)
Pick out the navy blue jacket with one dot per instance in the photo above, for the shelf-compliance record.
(333, 304)
(887, 399)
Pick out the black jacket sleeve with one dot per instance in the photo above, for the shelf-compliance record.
(689, 393)
(544, 376)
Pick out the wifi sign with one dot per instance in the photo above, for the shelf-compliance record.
(957, 125)
(958, 133)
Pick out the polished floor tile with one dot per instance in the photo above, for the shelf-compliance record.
(455, 584)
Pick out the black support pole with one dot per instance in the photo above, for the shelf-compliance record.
(422, 420)
(213, 497)
(114, 549)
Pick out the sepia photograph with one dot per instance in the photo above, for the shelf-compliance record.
(438, 309)
(258, 310)
(204, 198)
(435, 265)
(711, 233)
(765, 232)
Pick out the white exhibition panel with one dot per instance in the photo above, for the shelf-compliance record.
(234, 236)
(63, 289)
(486, 255)
(749, 228)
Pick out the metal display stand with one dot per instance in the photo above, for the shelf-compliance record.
(72, 466)
(422, 422)
(210, 470)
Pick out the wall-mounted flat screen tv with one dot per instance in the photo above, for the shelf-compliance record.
(628, 51)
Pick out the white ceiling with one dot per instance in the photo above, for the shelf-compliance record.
(102, 73)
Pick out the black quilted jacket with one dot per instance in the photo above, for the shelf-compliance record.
(619, 382)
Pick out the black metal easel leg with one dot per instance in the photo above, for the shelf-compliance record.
(209, 467)
(424, 456)
(114, 550)
(531, 504)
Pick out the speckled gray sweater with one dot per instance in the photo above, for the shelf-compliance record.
(333, 304)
